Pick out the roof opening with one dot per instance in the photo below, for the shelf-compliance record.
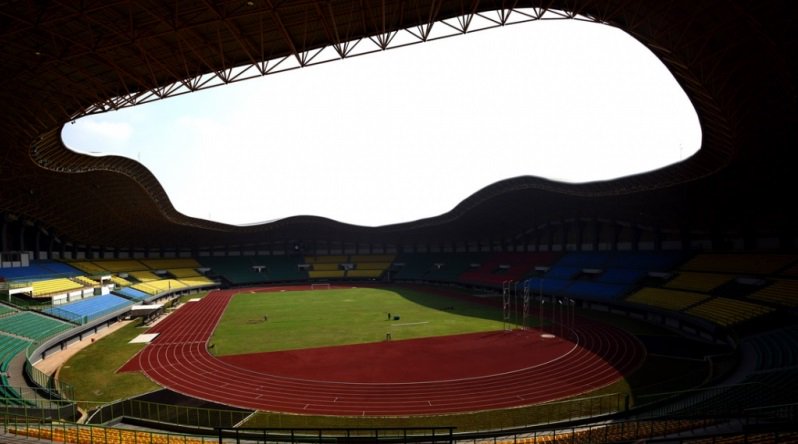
(408, 134)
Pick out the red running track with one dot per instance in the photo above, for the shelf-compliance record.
(179, 360)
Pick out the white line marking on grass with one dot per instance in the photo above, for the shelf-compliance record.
(410, 323)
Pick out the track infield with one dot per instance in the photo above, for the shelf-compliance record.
(461, 373)
(255, 322)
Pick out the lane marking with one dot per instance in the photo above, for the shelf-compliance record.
(409, 323)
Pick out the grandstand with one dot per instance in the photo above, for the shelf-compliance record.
(674, 300)
(703, 250)
(781, 292)
(703, 282)
(32, 326)
(587, 278)
(163, 264)
(726, 311)
(239, 270)
(55, 286)
(436, 267)
(501, 267)
(369, 266)
(92, 308)
(745, 264)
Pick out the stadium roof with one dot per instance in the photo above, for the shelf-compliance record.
(63, 60)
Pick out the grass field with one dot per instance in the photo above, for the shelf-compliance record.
(92, 371)
(304, 319)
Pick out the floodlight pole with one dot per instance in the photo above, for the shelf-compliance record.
(515, 303)
(542, 302)
(526, 305)
(506, 305)
(572, 303)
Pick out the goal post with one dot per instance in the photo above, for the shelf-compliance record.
(320, 286)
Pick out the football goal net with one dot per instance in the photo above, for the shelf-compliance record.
(324, 286)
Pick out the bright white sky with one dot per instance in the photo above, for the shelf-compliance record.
(409, 133)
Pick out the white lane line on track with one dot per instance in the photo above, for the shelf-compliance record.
(312, 406)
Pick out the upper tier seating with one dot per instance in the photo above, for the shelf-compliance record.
(183, 272)
(324, 266)
(608, 275)
(122, 282)
(592, 259)
(145, 276)
(239, 269)
(555, 287)
(359, 273)
(447, 267)
(413, 266)
(39, 270)
(372, 265)
(500, 267)
(88, 267)
(703, 282)
(758, 264)
(595, 290)
(326, 274)
(87, 282)
(54, 286)
(369, 266)
(621, 276)
(674, 300)
(562, 273)
(644, 260)
(332, 259)
(120, 265)
(196, 281)
(155, 287)
(781, 292)
(164, 264)
(358, 258)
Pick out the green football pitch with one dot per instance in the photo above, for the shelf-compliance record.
(272, 321)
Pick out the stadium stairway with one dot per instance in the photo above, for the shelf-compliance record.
(16, 380)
